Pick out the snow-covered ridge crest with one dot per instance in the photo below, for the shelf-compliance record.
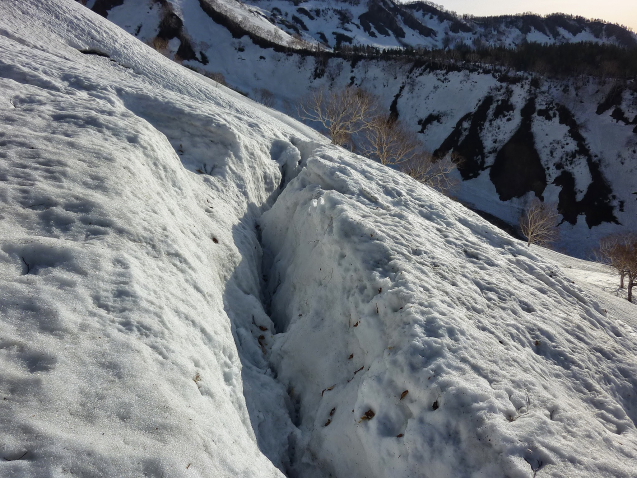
(135, 334)
(386, 23)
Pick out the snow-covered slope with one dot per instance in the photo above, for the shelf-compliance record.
(388, 331)
(576, 138)
(130, 297)
(426, 343)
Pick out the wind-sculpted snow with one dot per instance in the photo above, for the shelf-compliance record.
(419, 341)
(134, 338)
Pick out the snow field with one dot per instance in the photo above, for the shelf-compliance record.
(599, 280)
(136, 336)
(114, 328)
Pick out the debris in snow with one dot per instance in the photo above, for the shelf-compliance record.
(327, 389)
(369, 414)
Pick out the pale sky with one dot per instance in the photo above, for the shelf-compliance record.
(623, 12)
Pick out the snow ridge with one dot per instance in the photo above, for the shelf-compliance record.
(473, 355)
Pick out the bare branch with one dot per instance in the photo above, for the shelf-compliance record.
(436, 174)
(342, 113)
(539, 223)
(390, 142)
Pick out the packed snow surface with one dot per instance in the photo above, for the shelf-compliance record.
(195, 285)
(475, 356)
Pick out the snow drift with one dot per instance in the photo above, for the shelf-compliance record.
(426, 343)
(385, 331)
(130, 289)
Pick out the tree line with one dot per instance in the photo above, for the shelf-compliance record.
(559, 61)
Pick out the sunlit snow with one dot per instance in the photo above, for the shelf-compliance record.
(195, 285)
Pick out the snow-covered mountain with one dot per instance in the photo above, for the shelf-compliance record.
(380, 23)
(571, 141)
(193, 284)
(385, 23)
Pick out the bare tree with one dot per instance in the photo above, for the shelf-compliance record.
(620, 252)
(265, 97)
(342, 113)
(352, 116)
(608, 248)
(390, 142)
(436, 174)
(539, 223)
(218, 77)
